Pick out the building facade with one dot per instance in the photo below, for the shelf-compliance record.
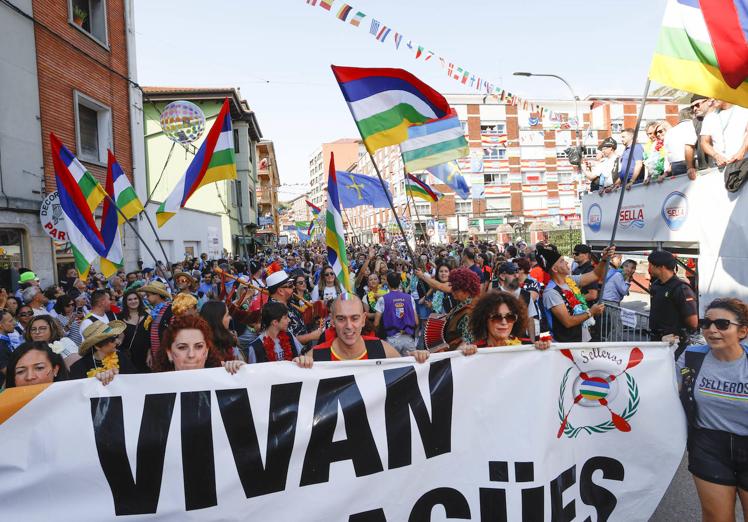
(522, 182)
(64, 69)
(218, 216)
(347, 152)
(268, 220)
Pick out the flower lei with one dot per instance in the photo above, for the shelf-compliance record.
(109, 362)
(373, 297)
(576, 300)
(285, 341)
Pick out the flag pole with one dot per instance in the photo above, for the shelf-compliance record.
(158, 239)
(628, 177)
(392, 207)
(415, 207)
(350, 224)
(137, 234)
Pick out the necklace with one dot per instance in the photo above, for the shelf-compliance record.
(109, 362)
(268, 343)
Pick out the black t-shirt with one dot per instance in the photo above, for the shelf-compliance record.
(80, 368)
(671, 303)
(476, 269)
(585, 268)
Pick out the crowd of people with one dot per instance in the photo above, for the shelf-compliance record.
(709, 133)
(287, 304)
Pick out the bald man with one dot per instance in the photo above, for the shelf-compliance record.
(348, 319)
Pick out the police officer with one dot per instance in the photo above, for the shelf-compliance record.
(672, 308)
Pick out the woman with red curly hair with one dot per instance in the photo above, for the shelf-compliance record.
(187, 344)
(464, 286)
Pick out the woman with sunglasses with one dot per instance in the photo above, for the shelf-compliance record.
(714, 393)
(328, 287)
(500, 319)
(654, 152)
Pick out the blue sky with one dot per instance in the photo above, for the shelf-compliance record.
(279, 52)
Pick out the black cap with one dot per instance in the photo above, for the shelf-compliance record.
(547, 257)
(508, 267)
(608, 142)
(582, 249)
(254, 266)
(662, 258)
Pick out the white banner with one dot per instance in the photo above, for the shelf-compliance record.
(507, 434)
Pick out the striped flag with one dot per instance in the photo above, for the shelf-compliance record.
(398, 40)
(326, 4)
(418, 189)
(385, 102)
(374, 29)
(434, 143)
(113, 257)
(344, 12)
(383, 33)
(85, 238)
(311, 2)
(124, 194)
(213, 162)
(335, 234)
(356, 20)
(315, 214)
(702, 48)
(92, 191)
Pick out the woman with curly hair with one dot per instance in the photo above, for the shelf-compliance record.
(187, 344)
(464, 285)
(500, 319)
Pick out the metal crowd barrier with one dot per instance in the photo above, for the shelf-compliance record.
(622, 324)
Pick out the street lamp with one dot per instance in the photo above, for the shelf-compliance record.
(574, 96)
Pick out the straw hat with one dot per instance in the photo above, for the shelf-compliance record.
(184, 274)
(100, 331)
(158, 288)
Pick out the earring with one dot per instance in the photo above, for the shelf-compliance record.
(170, 360)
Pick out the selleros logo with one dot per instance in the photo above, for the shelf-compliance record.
(675, 210)
(632, 216)
(595, 217)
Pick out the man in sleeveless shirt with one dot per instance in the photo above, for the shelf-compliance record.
(348, 319)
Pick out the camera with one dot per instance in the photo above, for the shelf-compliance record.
(574, 155)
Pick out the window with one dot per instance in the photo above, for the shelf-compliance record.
(494, 153)
(493, 128)
(616, 127)
(498, 204)
(565, 177)
(236, 194)
(423, 208)
(496, 178)
(252, 200)
(534, 202)
(590, 151)
(93, 129)
(236, 141)
(464, 207)
(90, 17)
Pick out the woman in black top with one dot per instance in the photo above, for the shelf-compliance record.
(99, 351)
(135, 341)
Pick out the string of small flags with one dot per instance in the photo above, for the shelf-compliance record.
(382, 33)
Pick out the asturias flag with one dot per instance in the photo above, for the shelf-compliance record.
(356, 190)
(385, 102)
(335, 234)
(213, 162)
(434, 143)
(703, 48)
(85, 238)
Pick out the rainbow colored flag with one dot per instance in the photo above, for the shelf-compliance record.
(92, 191)
(703, 49)
(213, 162)
(335, 233)
(85, 238)
(385, 102)
(434, 143)
(315, 214)
(344, 11)
(418, 189)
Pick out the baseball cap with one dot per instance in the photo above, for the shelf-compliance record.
(508, 268)
(582, 249)
(608, 142)
(662, 258)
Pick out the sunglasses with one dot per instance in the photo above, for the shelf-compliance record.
(329, 274)
(509, 318)
(721, 324)
(25, 314)
(661, 131)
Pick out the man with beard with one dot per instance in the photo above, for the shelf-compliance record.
(509, 274)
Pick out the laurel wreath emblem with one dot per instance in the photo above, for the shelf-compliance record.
(630, 410)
